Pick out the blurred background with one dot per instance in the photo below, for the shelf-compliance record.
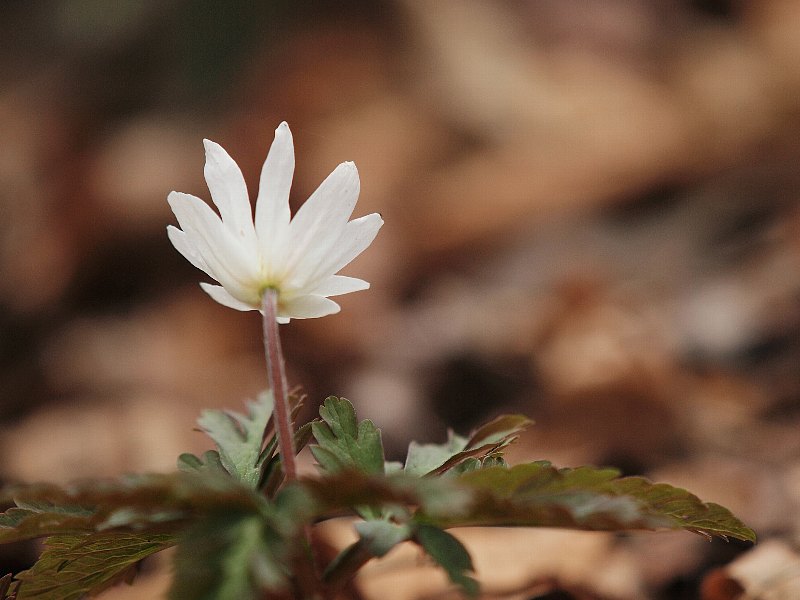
(591, 214)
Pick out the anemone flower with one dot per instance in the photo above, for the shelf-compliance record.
(296, 259)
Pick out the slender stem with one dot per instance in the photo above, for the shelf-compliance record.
(277, 383)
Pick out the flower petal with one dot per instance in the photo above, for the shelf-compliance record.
(228, 261)
(189, 252)
(308, 307)
(272, 204)
(320, 221)
(221, 295)
(336, 285)
(357, 235)
(229, 193)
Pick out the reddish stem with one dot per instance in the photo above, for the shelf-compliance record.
(277, 383)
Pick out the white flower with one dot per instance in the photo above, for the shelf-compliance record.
(299, 258)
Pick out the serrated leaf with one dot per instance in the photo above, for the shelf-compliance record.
(343, 443)
(473, 464)
(92, 548)
(246, 444)
(229, 556)
(425, 458)
(347, 491)
(41, 519)
(537, 494)
(239, 437)
(485, 443)
(240, 554)
(210, 461)
(135, 502)
(501, 429)
(380, 536)
(450, 554)
(165, 505)
(685, 509)
(73, 566)
(376, 538)
(272, 470)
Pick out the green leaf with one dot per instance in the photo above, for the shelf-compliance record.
(239, 437)
(344, 443)
(481, 449)
(345, 565)
(539, 495)
(246, 443)
(685, 509)
(425, 458)
(272, 469)
(44, 519)
(450, 554)
(380, 536)
(503, 429)
(210, 461)
(348, 491)
(133, 502)
(99, 530)
(255, 537)
(239, 554)
(229, 556)
(73, 566)
(376, 538)
(392, 466)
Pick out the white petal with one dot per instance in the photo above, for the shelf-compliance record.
(308, 307)
(189, 252)
(221, 295)
(229, 192)
(320, 221)
(336, 285)
(358, 234)
(228, 261)
(272, 205)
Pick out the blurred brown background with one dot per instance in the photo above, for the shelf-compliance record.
(591, 216)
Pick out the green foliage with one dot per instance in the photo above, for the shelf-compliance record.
(240, 528)
(41, 519)
(228, 556)
(343, 443)
(376, 538)
(209, 462)
(136, 516)
(423, 459)
(236, 555)
(239, 438)
(462, 454)
(73, 566)
(683, 509)
(531, 495)
(246, 444)
(155, 498)
(539, 495)
(449, 554)
(380, 536)
(347, 490)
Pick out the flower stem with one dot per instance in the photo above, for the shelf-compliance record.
(277, 382)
